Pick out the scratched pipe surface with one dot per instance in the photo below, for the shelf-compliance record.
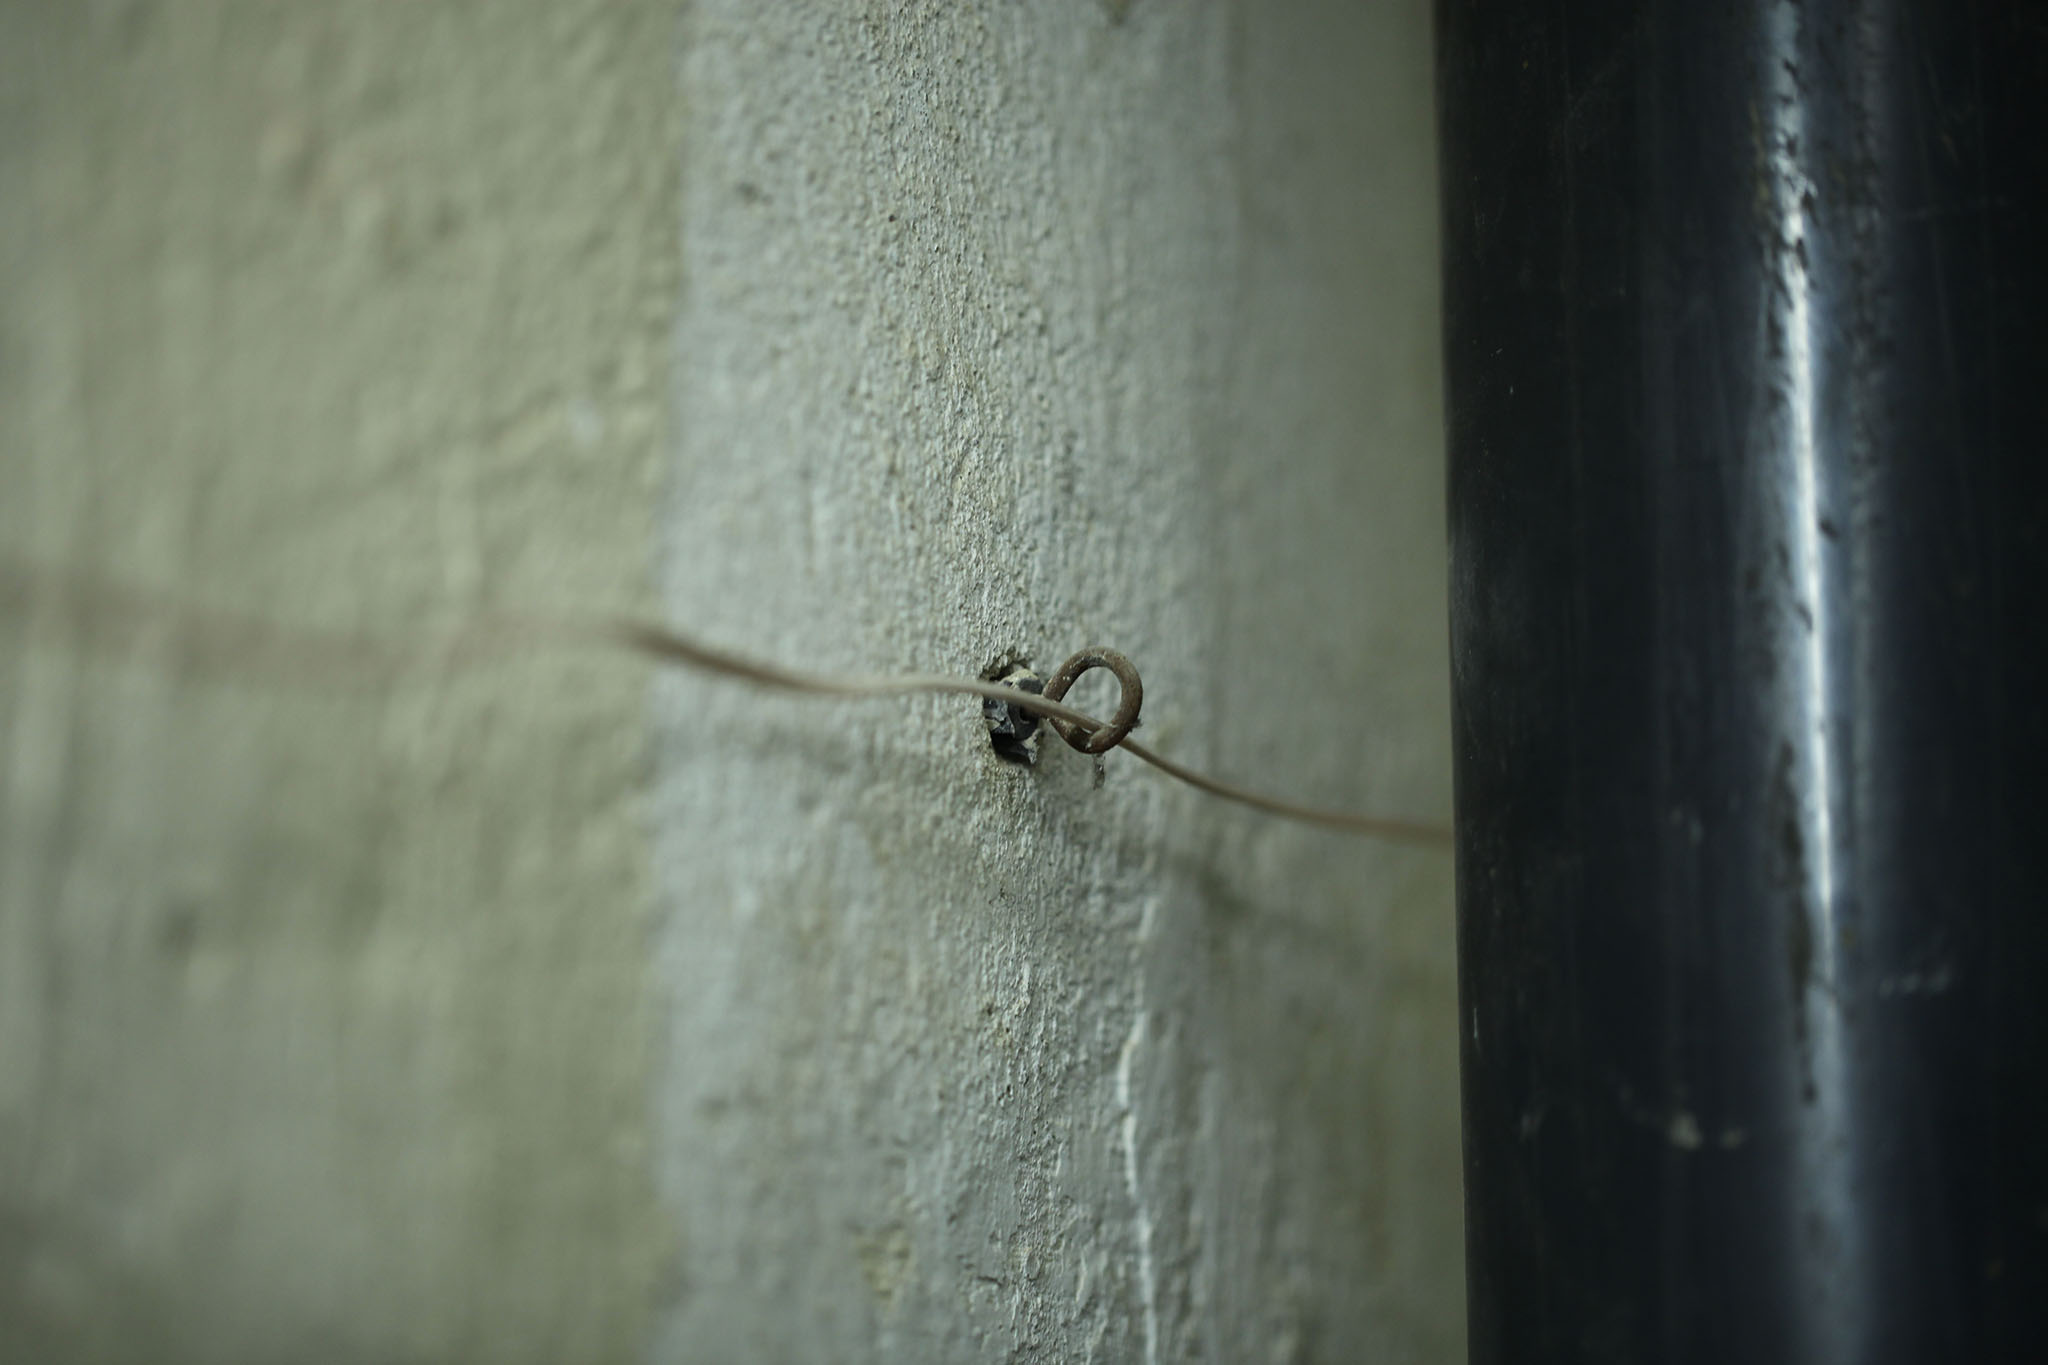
(1744, 360)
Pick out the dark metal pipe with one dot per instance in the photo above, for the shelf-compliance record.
(1746, 320)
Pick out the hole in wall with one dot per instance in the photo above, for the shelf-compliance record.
(1012, 732)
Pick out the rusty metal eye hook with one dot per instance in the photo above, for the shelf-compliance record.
(1131, 697)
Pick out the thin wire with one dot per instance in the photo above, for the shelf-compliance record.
(664, 643)
(320, 657)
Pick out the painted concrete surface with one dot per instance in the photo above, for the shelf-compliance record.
(1022, 328)
(324, 1022)
(509, 1014)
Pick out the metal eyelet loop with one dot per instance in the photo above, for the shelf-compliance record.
(1132, 697)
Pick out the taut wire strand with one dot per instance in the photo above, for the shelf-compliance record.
(318, 657)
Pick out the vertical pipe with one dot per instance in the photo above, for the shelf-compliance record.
(1745, 309)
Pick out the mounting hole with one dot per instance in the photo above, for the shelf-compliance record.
(1012, 731)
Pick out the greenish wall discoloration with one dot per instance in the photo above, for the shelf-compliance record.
(324, 1018)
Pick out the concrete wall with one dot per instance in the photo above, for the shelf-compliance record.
(508, 1015)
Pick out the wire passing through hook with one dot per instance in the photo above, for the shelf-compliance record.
(327, 657)
(1091, 736)
(1129, 699)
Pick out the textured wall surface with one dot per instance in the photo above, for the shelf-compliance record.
(323, 1011)
(1026, 327)
(500, 1015)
